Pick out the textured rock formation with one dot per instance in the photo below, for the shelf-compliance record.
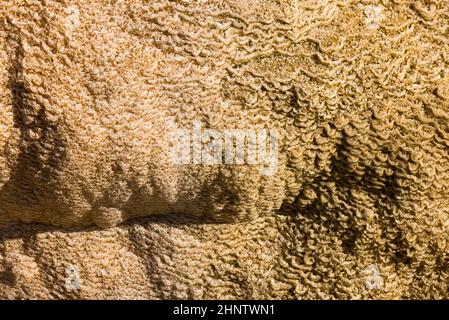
(358, 206)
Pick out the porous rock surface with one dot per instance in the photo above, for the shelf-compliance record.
(92, 207)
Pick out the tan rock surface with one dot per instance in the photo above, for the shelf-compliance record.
(358, 91)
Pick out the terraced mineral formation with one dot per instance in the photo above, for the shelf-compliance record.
(91, 206)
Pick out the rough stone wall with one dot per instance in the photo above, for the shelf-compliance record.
(358, 91)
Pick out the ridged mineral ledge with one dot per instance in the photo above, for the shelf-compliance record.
(357, 90)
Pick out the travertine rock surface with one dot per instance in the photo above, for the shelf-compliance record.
(91, 206)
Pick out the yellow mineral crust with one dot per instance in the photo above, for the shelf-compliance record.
(91, 205)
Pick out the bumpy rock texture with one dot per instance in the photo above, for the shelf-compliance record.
(358, 91)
